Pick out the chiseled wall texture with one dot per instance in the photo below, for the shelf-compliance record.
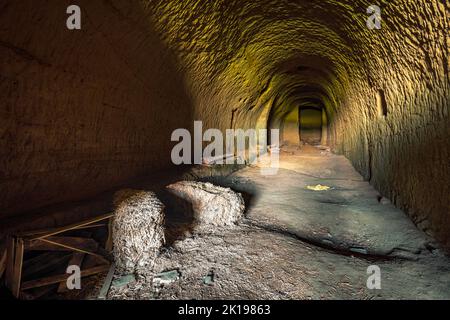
(82, 111)
(86, 110)
(289, 131)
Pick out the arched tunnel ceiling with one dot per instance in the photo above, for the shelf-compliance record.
(256, 43)
(102, 102)
(254, 58)
(240, 48)
(242, 51)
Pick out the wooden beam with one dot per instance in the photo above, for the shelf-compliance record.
(43, 262)
(17, 269)
(97, 225)
(33, 234)
(109, 241)
(37, 233)
(62, 277)
(55, 243)
(74, 226)
(36, 293)
(107, 284)
(73, 247)
(3, 257)
(47, 240)
(10, 246)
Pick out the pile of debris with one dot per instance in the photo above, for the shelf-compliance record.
(138, 230)
(36, 263)
(39, 263)
(212, 206)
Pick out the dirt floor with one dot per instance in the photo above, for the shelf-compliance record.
(298, 243)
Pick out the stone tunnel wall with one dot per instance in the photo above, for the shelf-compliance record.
(82, 111)
(99, 105)
(290, 128)
(398, 113)
(249, 64)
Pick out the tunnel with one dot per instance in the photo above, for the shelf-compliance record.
(311, 125)
(362, 112)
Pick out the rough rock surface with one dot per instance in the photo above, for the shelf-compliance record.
(212, 206)
(243, 260)
(295, 243)
(81, 105)
(138, 231)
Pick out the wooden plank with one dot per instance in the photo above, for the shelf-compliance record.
(44, 262)
(17, 272)
(36, 293)
(92, 261)
(72, 247)
(55, 243)
(109, 241)
(62, 277)
(74, 226)
(3, 256)
(10, 246)
(107, 284)
(98, 225)
(77, 259)
(105, 255)
(41, 258)
(35, 234)
(26, 234)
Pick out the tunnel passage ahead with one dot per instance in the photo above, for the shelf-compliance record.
(311, 125)
(297, 242)
(99, 104)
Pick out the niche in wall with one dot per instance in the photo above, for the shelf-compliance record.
(381, 103)
(311, 125)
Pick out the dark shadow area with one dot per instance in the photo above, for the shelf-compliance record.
(311, 125)
(179, 218)
(111, 92)
(246, 189)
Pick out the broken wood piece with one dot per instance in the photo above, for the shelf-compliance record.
(3, 256)
(56, 243)
(10, 244)
(76, 246)
(76, 260)
(44, 262)
(17, 268)
(61, 277)
(109, 241)
(36, 293)
(99, 259)
(78, 225)
(98, 225)
(107, 284)
(33, 234)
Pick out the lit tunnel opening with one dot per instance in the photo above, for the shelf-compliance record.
(310, 125)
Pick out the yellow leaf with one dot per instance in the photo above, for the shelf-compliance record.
(318, 187)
